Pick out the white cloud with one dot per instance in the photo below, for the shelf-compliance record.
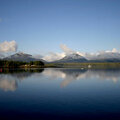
(103, 54)
(90, 56)
(114, 50)
(37, 56)
(8, 46)
(53, 56)
(79, 53)
(57, 56)
(66, 49)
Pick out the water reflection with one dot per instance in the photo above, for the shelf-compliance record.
(8, 83)
(37, 93)
(70, 75)
(10, 79)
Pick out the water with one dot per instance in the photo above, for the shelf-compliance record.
(56, 93)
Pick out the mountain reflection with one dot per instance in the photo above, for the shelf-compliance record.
(9, 78)
(70, 75)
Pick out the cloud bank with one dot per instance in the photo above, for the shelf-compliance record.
(7, 47)
(53, 56)
(56, 56)
(66, 51)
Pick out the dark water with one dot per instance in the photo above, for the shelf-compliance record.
(57, 94)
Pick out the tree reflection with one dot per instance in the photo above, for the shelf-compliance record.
(9, 78)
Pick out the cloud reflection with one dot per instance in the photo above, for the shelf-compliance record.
(70, 75)
(7, 83)
(10, 79)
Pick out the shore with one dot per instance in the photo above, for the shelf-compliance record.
(106, 65)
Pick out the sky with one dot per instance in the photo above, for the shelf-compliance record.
(42, 26)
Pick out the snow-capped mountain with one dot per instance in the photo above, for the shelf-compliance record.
(107, 57)
(101, 57)
(72, 58)
(20, 56)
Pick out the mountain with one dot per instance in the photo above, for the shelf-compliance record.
(102, 57)
(107, 57)
(20, 56)
(72, 58)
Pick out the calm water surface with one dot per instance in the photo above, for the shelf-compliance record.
(56, 93)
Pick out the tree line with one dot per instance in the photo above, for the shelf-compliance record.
(16, 64)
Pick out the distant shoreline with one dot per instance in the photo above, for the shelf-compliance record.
(104, 65)
(39, 64)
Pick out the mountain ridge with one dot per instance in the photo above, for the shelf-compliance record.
(107, 57)
(74, 57)
(20, 56)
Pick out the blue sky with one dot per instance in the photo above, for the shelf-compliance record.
(40, 26)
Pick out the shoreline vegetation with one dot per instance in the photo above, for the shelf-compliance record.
(40, 64)
(20, 64)
(96, 65)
